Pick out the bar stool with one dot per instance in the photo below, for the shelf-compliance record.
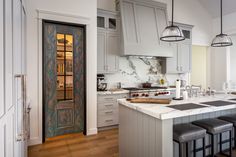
(215, 127)
(231, 119)
(185, 133)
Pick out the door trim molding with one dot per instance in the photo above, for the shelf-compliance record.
(67, 18)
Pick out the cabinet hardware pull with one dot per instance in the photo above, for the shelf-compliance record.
(109, 112)
(21, 136)
(109, 105)
(109, 120)
(108, 98)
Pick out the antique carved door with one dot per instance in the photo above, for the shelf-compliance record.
(63, 79)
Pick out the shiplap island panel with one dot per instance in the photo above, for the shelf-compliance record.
(147, 129)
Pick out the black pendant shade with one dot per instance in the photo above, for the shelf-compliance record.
(172, 33)
(221, 40)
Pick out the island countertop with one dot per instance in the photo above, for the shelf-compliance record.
(163, 111)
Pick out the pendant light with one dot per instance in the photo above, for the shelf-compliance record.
(221, 40)
(172, 33)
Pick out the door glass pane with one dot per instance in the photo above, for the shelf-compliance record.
(60, 87)
(64, 67)
(101, 22)
(112, 23)
(69, 87)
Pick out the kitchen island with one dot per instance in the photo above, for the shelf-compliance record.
(146, 130)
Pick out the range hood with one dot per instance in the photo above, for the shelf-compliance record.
(142, 24)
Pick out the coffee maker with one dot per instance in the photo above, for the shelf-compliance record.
(101, 84)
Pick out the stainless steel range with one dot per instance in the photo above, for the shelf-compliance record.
(153, 92)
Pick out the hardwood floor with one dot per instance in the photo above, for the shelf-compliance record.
(104, 144)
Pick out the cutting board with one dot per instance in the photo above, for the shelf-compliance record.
(150, 100)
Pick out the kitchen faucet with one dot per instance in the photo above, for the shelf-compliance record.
(191, 91)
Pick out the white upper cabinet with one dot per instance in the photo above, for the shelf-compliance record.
(181, 62)
(108, 39)
(142, 25)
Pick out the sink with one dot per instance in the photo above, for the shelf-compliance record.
(188, 106)
(218, 103)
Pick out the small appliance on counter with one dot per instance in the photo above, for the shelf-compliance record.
(101, 84)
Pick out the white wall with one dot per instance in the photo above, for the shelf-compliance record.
(223, 59)
(186, 11)
(219, 66)
(229, 24)
(75, 8)
(233, 60)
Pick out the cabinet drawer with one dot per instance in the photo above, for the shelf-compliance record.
(113, 112)
(107, 99)
(107, 120)
(107, 106)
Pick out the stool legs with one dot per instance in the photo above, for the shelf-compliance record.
(187, 149)
(230, 143)
(194, 148)
(234, 137)
(180, 149)
(220, 143)
(204, 147)
(212, 145)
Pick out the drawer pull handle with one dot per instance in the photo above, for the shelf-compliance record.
(109, 98)
(109, 105)
(109, 120)
(109, 112)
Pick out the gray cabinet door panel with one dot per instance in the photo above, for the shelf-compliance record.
(113, 50)
(147, 25)
(101, 50)
(172, 63)
(185, 57)
(129, 23)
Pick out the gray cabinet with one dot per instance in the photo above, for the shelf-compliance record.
(108, 109)
(108, 42)
(142, 26)
(181, 62)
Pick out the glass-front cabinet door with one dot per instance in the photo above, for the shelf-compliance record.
(64, 67)
(107, 22)
(112, 23)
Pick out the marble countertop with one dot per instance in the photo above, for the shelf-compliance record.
(121, 91)
(162, 111)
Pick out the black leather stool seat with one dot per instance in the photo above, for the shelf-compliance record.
(214, 126)
(229, 118)
(187, 132)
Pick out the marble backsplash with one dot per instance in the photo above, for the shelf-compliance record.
(135, 70)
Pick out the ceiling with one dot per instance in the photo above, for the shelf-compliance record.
(213, 7)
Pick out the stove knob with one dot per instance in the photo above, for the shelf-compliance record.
(146, 95)
(137, 95)
(156, 94)
(133, 95)
(143, 94)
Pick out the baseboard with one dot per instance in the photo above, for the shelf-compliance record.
(37, 140)
(92, 131)
(34, 141)
(108, 128)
